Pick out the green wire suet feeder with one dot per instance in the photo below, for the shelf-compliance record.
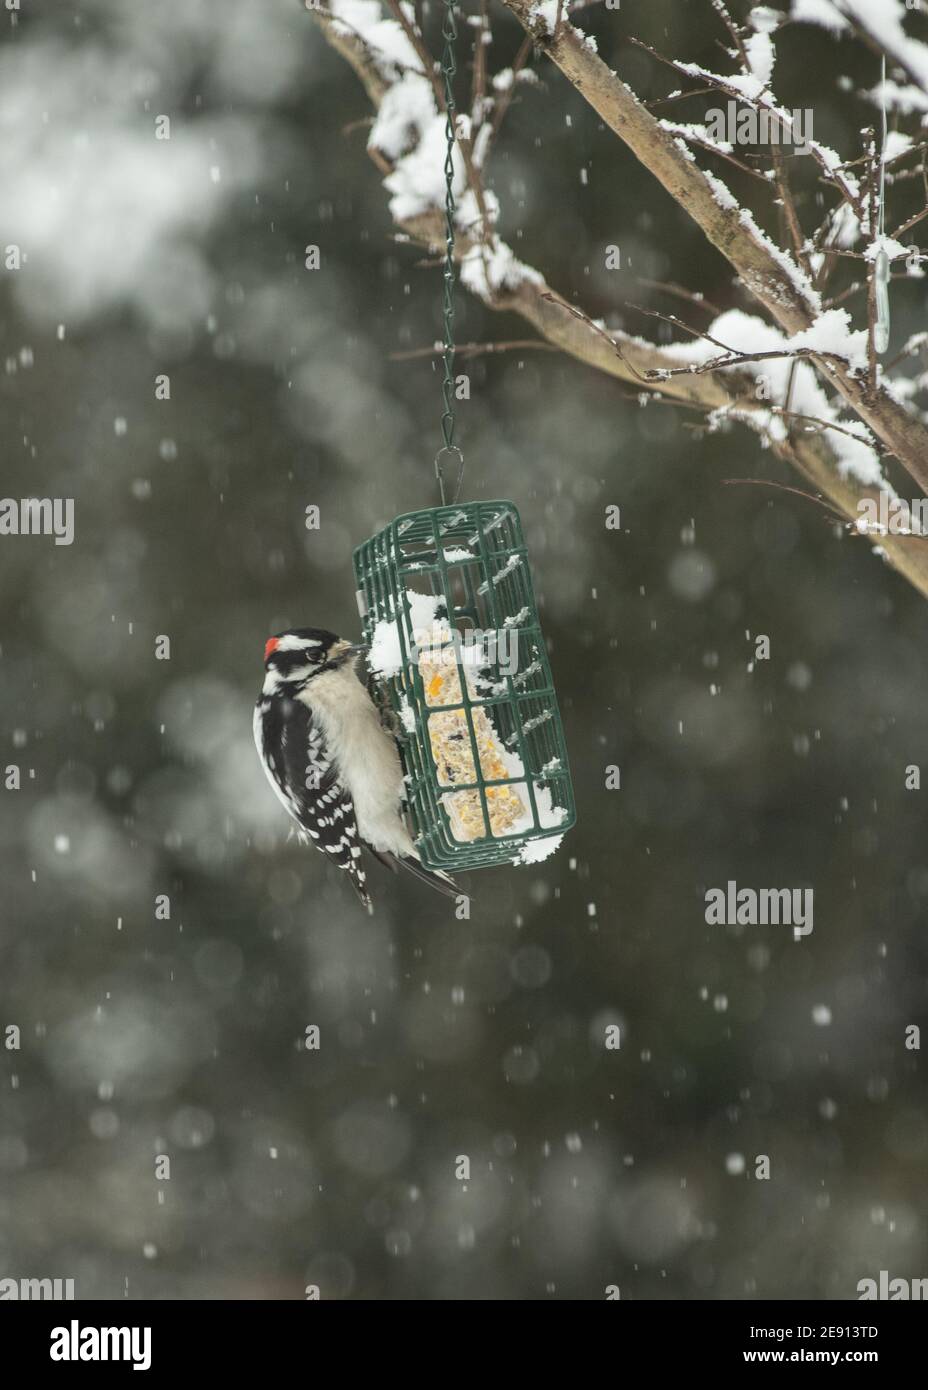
(457, 651)
(446, 601)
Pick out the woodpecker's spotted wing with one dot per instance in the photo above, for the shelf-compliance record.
(293, 752)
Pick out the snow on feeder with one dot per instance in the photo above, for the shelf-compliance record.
(457, 653)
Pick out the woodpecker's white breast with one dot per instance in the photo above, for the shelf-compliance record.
(365, 754)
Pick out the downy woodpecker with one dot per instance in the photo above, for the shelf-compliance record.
(329, 759)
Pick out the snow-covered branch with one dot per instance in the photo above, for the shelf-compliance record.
(766, 271)
(771, 371)
(880, 22)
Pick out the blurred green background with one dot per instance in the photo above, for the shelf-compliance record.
(440, 1037)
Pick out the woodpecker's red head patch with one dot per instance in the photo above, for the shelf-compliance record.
(270, 646)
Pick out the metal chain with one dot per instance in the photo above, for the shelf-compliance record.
(449, 449)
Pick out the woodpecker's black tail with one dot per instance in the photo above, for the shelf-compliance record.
(435, 878)
(359, 883)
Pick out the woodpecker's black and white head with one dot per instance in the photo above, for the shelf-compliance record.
(302, 654)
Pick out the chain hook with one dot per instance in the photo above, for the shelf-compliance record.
(444, 456)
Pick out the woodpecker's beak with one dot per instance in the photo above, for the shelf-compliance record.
(351, 650)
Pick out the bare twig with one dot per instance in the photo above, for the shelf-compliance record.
(735, 359)
(669, 287)
(908, 225)
(475, 349)
(784, 487)
(789, 207)
(478, 90)
(678, 96)
(505, 100)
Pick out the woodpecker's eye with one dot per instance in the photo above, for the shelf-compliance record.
(270, 646)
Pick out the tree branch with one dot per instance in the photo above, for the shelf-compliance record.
(768, 273)
(627, 358)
